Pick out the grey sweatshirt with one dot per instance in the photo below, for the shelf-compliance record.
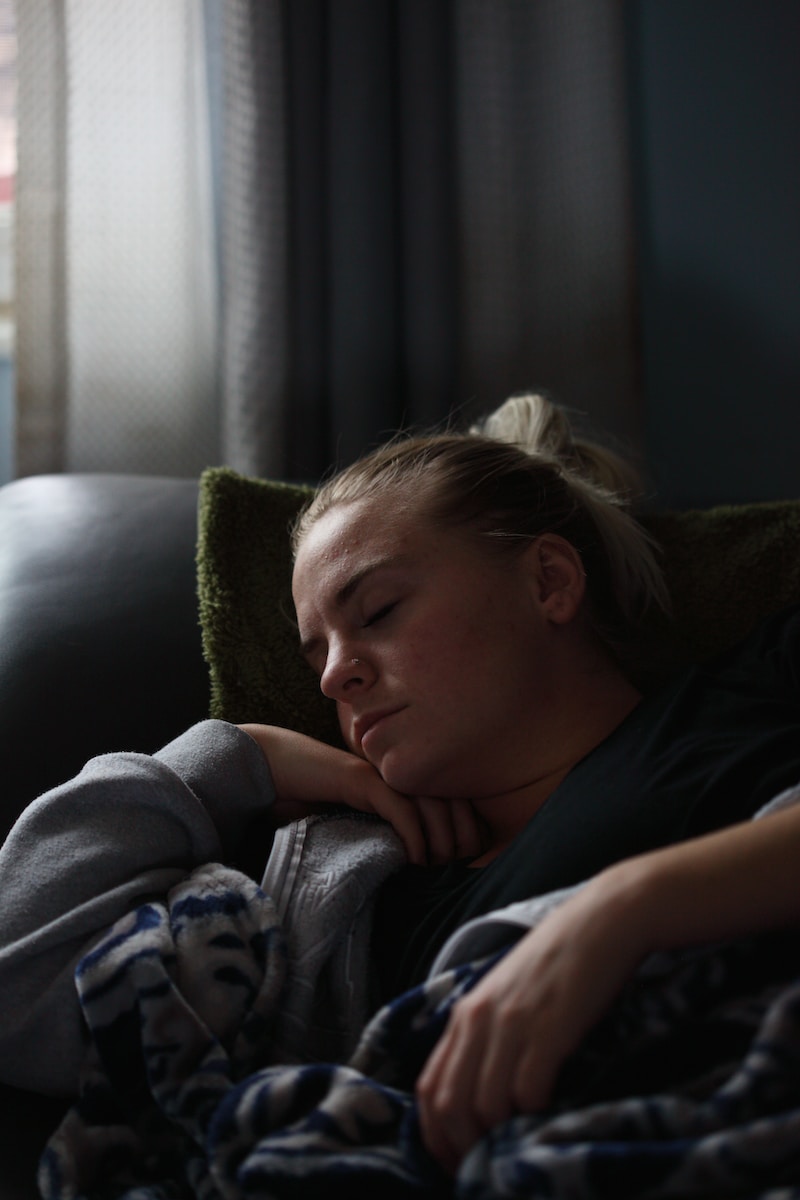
(127, 829)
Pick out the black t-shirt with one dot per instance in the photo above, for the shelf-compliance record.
(704, 752)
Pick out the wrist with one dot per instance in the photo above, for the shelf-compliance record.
(633, 895)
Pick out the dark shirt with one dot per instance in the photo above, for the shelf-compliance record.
(704, 752)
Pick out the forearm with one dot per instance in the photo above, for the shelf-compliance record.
(309, 776)
(735, 882)
(507, 1039)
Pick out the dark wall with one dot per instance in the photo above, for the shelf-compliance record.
(715, 101)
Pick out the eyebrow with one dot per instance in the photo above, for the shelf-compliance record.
(348, 590)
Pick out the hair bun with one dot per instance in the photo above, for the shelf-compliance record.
(535, 423)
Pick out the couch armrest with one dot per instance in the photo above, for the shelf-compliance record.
(100, 644)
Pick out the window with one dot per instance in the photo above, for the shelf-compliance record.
(8, 170)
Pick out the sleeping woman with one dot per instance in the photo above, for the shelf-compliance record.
(473, 605)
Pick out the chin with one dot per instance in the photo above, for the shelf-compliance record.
(415, 779)
(402, 776)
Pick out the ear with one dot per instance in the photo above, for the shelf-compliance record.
(558, 577)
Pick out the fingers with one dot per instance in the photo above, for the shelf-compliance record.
(433, 831)
(308, 775)
(448, 1123)
(507, 1039)
(498, 1055)
(436, 818)
(469, 830)
(402, 815)
(452, 829)
(475, 1077)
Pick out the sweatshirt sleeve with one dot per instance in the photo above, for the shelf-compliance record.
(127, 829)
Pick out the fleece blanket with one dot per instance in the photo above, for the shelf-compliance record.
(690, 1086)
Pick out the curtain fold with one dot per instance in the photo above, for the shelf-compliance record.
(421, 206)
(449, 182)
(255, 236)
(544, 207)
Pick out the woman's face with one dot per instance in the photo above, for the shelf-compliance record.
(437, 653)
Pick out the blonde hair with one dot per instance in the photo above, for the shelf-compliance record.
(520, 473)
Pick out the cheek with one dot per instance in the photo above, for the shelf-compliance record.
(344, 716)
(456, 652)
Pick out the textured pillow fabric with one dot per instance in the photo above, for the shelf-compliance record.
(726, 567)
(246, 611)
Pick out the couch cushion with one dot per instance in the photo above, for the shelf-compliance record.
(727, 567)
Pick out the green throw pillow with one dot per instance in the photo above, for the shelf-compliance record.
(726, 567)
(246, 611)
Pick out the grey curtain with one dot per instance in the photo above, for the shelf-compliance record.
(424, 207)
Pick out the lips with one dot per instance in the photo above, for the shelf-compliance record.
(367, 721)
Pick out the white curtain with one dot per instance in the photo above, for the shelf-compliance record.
(116, 315)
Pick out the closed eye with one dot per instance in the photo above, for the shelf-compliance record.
(380, 614)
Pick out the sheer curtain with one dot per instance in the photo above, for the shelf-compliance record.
(116, 315)
(421, 206)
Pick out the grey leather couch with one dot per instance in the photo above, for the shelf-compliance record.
(100, 650)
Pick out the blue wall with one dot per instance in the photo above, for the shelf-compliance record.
(715, 101)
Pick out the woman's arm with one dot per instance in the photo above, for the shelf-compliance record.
(507, 1039)
(309, 775)
(127, 829)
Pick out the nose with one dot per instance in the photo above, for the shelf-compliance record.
(344, 674)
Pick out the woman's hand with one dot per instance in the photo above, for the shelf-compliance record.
(507, 1039)
(308, 775)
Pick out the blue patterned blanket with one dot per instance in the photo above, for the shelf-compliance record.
(690, 1087)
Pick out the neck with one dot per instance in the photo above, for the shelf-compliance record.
(588, 720)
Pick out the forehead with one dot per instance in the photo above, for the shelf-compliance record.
(351, 537)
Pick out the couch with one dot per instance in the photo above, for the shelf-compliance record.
(100, 649)
(101, 645)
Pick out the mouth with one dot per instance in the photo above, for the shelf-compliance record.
(367, 722)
